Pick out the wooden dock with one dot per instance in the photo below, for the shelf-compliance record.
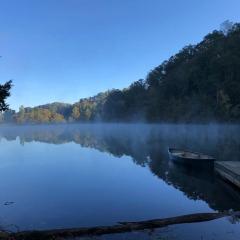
(229, 170)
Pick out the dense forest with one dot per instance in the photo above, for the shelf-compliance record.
(200, 83)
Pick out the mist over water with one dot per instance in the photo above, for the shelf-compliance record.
(221, 141)
(97, 174)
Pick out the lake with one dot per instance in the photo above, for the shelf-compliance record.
(76, 175)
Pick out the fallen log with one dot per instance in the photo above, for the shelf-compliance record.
(119, 228)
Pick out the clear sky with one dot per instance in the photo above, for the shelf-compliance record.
(63, 50)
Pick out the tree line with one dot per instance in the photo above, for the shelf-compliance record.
(199, 83)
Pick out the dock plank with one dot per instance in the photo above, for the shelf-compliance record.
(229, 170)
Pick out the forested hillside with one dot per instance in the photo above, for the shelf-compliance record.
(200, 83)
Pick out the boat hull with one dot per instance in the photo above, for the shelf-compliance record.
(179, 158)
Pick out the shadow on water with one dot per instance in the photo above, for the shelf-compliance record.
(147, 146)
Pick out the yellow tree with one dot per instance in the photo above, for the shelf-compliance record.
(75, 113)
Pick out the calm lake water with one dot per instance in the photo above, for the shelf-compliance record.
(91, 174)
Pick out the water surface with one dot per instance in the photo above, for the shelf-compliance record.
(91, 174)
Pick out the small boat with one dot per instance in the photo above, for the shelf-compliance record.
(188, 157)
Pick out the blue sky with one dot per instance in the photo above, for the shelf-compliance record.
(63, 50)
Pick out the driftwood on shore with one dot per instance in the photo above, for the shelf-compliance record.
(119, 228)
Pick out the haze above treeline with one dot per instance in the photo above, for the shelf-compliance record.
(200, 83)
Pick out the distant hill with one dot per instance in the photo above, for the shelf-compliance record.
(57, 107)
(200, 83)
